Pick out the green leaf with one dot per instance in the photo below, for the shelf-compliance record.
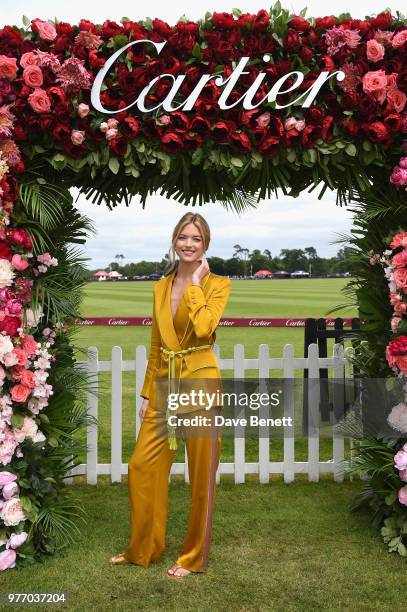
(17, 420)
(26, 20)
(197, 156)
(196, 51)
(351, 149)
(114, 165)
(390, 498)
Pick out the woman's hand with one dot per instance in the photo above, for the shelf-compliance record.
(200, 272)
(144, 407)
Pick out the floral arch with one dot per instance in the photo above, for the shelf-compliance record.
(351, 139)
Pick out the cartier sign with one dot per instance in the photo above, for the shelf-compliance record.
(294, 79)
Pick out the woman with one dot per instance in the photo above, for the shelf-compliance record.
(187, 307)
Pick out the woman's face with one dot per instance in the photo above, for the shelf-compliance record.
(189, 245)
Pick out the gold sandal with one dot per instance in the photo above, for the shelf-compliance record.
(174, 568)
(118, 559)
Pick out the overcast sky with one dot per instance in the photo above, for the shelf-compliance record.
(145, 234)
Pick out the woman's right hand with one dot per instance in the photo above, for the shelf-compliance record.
(143, 408)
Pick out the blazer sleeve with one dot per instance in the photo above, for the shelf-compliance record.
(153, 355)
(205, 313)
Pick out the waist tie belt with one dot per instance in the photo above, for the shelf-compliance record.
(172, 440)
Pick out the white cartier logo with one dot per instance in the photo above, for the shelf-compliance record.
(305, 99)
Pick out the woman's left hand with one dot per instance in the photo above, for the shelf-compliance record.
(200, 272)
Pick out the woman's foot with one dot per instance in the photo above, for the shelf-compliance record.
(178, 572)
(118, 559)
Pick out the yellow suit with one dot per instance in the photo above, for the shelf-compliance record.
(194, 325)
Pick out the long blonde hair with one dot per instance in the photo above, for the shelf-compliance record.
(201, 223)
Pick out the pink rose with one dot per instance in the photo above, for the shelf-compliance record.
(7, 559)
(400, 460)
(403, 163)
(28, 378)
(397, 99)
(19, 262)
(375, 84)
(400, 308)
(164, 120)
(263, 120)
(17, 539)
(30, 345)
(32, 76)
(46, 30)
(8, 67)
(2, 373)
(111, 133)
(29, 59)
(77, 137)
(83, 110)
(20, 393)
(21, 355)
(39, 101)
(300, 125)
(399, 39)
(399, 176)
(403, 496)
(400, 277)
(400, 259)
(290, 123)
(403, 475)
(374, 51)
(6, 477)
(10, 359)
(395, 298)
(10, 490)
(112, 123)
(399, 240)
(394, 323)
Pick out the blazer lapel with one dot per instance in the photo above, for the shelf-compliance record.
(165, 320)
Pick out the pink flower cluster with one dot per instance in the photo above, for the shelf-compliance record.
(11, 513)
(400, 463)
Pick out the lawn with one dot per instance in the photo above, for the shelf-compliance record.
(276, 547)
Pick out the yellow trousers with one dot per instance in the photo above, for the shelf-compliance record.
(148, 473)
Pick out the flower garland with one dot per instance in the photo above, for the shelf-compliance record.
(47, 70)
(24, 360)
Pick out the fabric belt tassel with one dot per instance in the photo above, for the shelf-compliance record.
(172, 440)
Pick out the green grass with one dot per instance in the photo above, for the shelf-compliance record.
(275, 547)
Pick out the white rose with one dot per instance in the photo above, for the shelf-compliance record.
(33, 318)
(6, 273)
(6, 346)
(12, 512)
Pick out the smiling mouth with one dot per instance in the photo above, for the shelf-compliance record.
(189, 252)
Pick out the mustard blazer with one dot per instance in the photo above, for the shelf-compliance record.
(205, 306)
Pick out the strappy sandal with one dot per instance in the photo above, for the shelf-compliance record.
(171, 574)
(118, 559)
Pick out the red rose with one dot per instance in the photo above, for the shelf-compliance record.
(88, 26)
(56, 95)
(94, 60)
(76, 151)
(130, 127)
(192, 141)
(393, 122)
(19, 133)
(11, 37)
(291, 41)
(5, 250)
(200, 125)
(324, 23)
(299, 24)
(62, 132)
(349, 126)
(314, 115)
(20, 236)
(10, 325)
(326, 63)
(310, 135)
(382, 21)
(10, 187)
(261, 21)
(396, 348)
(242, 141)
(162, 28)
(350, 100)
(269, 146)
(172, 143)
(222, 130)
(307, 55)
(376, 131)
(292, 138)
(223, 20)
(326, 127)
(111, 28)
(118, 145)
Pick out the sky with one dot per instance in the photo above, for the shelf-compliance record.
(146, 234)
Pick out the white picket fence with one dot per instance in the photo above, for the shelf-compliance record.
(239, 364)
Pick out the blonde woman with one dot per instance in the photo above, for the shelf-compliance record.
(187, 306)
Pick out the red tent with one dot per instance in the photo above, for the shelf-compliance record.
(263, 273)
